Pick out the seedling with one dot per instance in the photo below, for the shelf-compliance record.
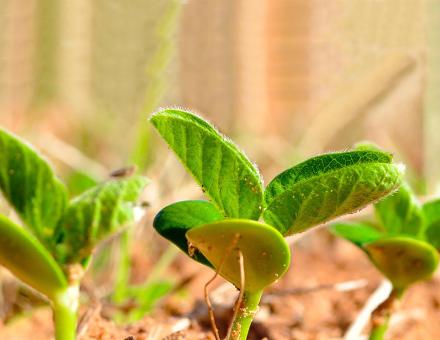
(52, 249)
(402, 245)
(225, 234)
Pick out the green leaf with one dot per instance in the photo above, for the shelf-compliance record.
(79, 181)
(145, 298)
(355, 232)
(366, 146)
(403, 260)
(226, 175)
(173, 221)
(266, 254)
(328, 186)
(95, 215)
(28, 259)
(401, 213)
(431, 211)
(29, 184)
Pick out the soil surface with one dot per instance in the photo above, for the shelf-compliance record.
(307, 303)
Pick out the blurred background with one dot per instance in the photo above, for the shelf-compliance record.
(286, 79)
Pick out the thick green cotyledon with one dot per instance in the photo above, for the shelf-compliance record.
(265, 253)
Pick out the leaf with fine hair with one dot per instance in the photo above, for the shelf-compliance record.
(28, 259)
(227, 176)
(328, 186)
(173, 221)
(431, 211)
(401, 213)
(95, 215)
(355, 232)
(30, 186)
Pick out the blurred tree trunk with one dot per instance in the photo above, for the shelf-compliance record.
(46, 59)
(75, 55)
(17, 49)
(208, 58)
(432, 97)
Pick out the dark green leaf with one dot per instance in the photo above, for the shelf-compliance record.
(357, 233)
(28, 260)
(403, 260)
(328, 186)
(401, 213)
(30, 186)
(266, 254)
(96, 214)
(229, 179)
(431, 211)
(173, 221)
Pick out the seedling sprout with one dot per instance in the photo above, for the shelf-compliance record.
(52, 247)
(403, 246)
(306, 195)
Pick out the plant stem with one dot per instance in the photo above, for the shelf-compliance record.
(246, 312)
(65, 308)
(378, 332)
(380, 317)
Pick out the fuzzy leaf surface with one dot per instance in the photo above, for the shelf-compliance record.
(355, 232)
(265, 252)
(401, 213)
(226, 175)
(95, 215)
(328, 186)
(30, 186)
(28, 259)
(431, 211)
(173, 221)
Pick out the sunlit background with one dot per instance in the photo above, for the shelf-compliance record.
(289, 77)
(286, 78)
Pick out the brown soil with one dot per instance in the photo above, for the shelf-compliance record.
(302, 305)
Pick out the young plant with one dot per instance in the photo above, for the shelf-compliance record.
(51, 250)
(225, 233)
(402, 245)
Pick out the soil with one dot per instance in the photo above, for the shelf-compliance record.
(303, 305)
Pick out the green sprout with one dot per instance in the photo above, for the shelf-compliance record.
(50, 252)
(403, 246)
(225, 233)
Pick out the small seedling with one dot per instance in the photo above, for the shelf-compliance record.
(402, 245)
(52, 249)
(225, 234)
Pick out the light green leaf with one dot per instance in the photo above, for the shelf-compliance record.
(401, 213)
(226, 175)
(29, 184)
(173, 221)
(355, 232)
(431, 211)
(96, 214)
(403, 260)
(145, 298)
(328, 186)
(266, 254)
(28, 260)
